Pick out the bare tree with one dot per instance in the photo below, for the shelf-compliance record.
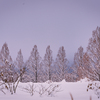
(62, 63)
(34, 63)
(92, 62)
(92, 56)
(48, 62)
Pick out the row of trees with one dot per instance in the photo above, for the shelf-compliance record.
(36, 69)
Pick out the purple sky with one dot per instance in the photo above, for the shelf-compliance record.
(68, 23)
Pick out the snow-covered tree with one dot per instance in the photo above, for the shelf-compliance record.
(6, 64)
(8, 73)
(62, 63)
(48, 62)
(92, 62)
(4, 54)
(79, 63)
(92, 56)
(20, 64)
(34, 64)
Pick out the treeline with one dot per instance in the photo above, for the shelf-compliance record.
(37, 69)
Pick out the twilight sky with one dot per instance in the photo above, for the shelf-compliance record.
(68, 23)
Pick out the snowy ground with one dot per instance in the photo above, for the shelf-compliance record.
(77, 89)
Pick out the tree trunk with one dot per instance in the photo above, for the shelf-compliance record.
(49, 74)
(36, 74)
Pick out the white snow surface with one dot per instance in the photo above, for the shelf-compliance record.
(77, 89)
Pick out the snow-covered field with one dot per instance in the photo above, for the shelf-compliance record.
(77, 89)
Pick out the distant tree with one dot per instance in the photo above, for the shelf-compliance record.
(79, 63)
(62, 63)
(34, 63)
(48, 62)
(28, 75)
(20, 64)
(4, 54)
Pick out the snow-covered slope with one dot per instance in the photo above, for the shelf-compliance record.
(77, 89)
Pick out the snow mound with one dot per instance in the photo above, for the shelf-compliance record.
(63, 81)
(84, 80)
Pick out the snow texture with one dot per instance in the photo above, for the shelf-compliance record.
(77, 89)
